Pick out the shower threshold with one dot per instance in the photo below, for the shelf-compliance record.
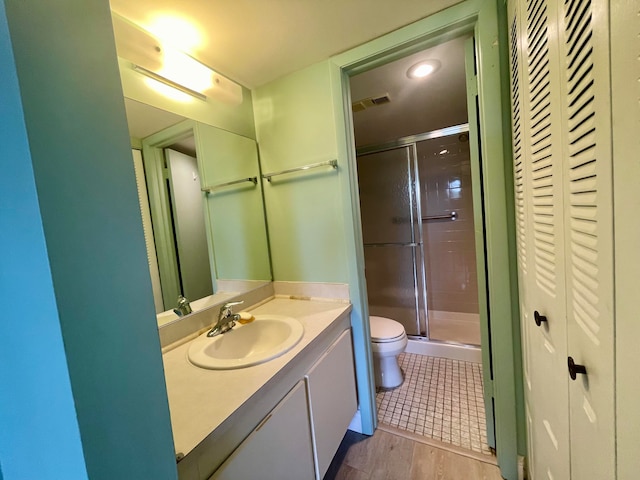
(444, 349)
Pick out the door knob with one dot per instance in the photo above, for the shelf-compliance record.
(575, 369)
(539, 318)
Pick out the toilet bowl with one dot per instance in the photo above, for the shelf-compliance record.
(388, 340)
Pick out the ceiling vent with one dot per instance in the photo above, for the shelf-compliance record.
(365, 103)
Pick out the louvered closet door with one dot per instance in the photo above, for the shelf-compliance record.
(546, 313)
(521, 191)
(589, 259)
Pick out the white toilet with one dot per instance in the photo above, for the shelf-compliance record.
(388, 340)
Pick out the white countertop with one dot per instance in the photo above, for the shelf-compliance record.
(200, 399)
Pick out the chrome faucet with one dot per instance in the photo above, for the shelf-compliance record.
(183, 307)
(226, 319)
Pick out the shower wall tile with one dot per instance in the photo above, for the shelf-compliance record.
(450, 260)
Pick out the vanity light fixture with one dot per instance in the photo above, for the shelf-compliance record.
(169, 66)
(423, 69)
(166, 81)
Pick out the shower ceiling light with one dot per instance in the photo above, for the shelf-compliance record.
(423, 69)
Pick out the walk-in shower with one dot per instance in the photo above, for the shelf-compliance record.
(416, 199)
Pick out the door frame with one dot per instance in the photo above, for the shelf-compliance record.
(486, 19)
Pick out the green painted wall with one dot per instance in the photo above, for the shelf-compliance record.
(511, 227)
(79, 148)
(299, 122)
(300, 119)
(236, 213)
(295, 126)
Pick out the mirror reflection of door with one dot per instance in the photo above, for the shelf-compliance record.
(188, 225)
(187, 220)
(237, 257)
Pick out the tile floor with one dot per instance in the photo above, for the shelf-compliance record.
(440, 399)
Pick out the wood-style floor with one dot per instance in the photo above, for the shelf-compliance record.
(385, 456)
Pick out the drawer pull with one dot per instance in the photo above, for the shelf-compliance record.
(263, 422)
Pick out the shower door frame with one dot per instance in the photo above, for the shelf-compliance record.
(420, 278)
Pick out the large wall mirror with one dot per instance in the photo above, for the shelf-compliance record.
(202, 209)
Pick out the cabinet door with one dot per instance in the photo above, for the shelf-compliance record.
(279, 448)
(332, 400)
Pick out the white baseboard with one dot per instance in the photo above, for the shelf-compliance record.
(356, 422)
(522, 470)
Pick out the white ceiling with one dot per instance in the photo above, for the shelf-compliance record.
(417, 105)
(256, 41)
(145, 120)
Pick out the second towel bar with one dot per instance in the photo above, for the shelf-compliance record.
(212, 188)
(332, 163)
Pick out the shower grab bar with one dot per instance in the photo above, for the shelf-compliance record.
(448, 216)
(332, 163)
(212, 188)
(407, 244)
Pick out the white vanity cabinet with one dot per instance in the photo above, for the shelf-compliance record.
(332, 400)
(278, 448)
(298, 438)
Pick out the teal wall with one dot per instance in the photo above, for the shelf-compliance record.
(96, 276)
(295, 126)
(39, 433)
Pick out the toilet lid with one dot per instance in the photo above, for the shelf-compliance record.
(385, 329)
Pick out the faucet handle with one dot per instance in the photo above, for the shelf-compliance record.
(231, 304)
(226, 308)
(184, 308)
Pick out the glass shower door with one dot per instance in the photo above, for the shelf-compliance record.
(392, 246)
(448, 230)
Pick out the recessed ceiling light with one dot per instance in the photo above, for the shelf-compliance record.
(422, 69)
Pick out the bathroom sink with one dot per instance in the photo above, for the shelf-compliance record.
(265, 338)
